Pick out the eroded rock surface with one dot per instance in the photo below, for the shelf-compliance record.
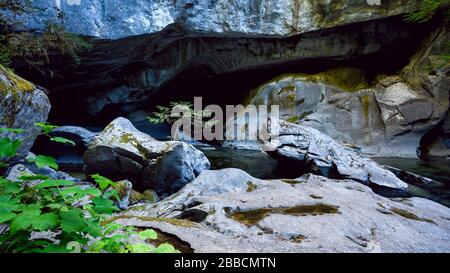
(321, 154)
(117, 18)
(309, 150)
(390, 116)
(230, 211)
(123, 74)
(123, 152)
(389, 119)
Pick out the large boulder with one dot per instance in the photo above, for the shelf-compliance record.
(432, 70)
(123, 152)
(118, 18)
(81, 136)
(230, 211)
(121, 75)
(69, 157)
(22, 104)
(319, 153)
(389, 116)
(388, 119)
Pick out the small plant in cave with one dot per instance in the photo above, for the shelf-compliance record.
(425, 12)
(35, 48)
(182, 110)
(39, 214)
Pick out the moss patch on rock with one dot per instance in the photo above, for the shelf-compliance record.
(346, 78)
(293, 119)
(171, 221)
(365, 100)
(16, 83)
(251, 187)
(409, 215)
(252, 217)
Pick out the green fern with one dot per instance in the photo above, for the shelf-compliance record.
(425, 10)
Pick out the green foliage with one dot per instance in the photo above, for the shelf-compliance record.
(62, 140)
(165, 248)
(34, 49)
(9, 147)
(148, 234)
(425, 10)
(46, 127)
(114, 242)
(42, 161)
(54, 183)
(102, 181)
(165, 115)
(70, 215)
(182, 110)
(47, 206)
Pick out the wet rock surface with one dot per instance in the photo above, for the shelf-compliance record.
(121, 75)
(69, 157)
(230, 211)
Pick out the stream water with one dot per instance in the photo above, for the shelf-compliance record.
(260, 165)
(437, 169)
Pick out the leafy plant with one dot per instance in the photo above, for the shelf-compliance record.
(42, 161)
(102, 181)
(34, 49)
(425, 10)
(48, 207)
(9, 147)
(43, 215)
(182, 110)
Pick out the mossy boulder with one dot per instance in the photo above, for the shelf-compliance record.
(148, 196)
(123, 152)
(136, 197)
(386, 117)
(22, 104)
(151, 196)
(298, 95)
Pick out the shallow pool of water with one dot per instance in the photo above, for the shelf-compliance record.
(437, 169)
(255, 163)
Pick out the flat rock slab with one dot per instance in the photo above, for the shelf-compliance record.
(230, 211)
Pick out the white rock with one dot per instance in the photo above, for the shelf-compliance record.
(365, 222)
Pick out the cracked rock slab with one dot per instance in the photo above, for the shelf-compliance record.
(364, 221)
(321, 154)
